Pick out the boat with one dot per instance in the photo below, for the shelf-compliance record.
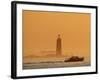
(74, 59)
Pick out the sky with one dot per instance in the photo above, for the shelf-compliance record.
(41, 28)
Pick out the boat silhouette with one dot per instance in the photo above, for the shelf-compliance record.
(74, 59)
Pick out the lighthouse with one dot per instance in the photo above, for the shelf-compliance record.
(58, 45)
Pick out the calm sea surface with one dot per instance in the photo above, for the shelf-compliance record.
(52, 62)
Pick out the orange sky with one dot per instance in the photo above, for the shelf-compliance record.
(40, 30)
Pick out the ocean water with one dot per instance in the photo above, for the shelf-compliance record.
(52, 62)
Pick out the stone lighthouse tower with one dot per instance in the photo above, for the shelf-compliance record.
(58, 46)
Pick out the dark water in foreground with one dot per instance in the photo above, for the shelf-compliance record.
(56, 64)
